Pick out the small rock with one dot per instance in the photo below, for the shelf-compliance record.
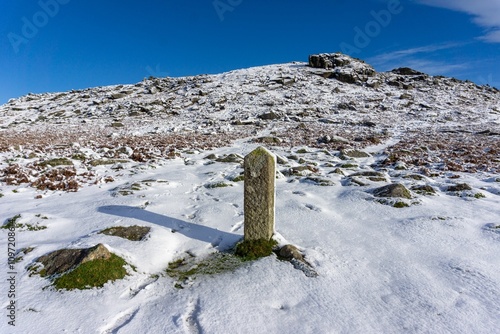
(270, 116)
(459, 187)
(231, 158)
(133, 233)
(354, 154)
(320, 181)
(268, 140)
(406, 71)
(290, 252)
(392, 190)
(424, 190)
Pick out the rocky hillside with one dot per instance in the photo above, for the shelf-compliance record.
(428, 123)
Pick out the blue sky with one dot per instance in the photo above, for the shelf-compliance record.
(59, 45)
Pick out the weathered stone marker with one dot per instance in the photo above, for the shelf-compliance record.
(260, 180)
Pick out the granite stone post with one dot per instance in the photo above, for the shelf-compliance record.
(260, 181)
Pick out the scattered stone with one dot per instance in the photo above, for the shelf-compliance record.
(116, 96)
(281, 160)
(424, 190)
(338, 171)
(369, 124)
(406, 71)
(356, 181)
(289, 252)
(300, 171)
(332, 139)
(349, 165)
(459, 187)
(133, 233)
(320, 181)
(269, 116)
(392, 190)
(211, 157)
(62, 260)
(351, 153)
(414, 177)
(231, 158)
(369, 174)
(269, 140)
(218, 184)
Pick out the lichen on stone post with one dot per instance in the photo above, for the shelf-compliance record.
(259, 194)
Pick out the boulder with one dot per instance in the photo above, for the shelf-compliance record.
(343, 68)
(406, 71)
(63, 260)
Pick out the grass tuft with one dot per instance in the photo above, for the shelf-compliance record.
(93, 274)
(249, 250)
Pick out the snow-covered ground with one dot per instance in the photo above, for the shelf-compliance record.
(431, 267)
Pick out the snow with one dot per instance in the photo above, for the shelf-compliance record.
(432, 267)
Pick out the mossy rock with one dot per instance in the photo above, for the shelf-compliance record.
(400, 204)
(219, 184)
(231, 158)
(190, 267)
(424, 190)
(346, 154)
(254, 249)
(56, 162)
(93, 274)
(460, 187)
(102, 162)
(392, 190)
(239, 178)
(349, 165)
(414, 177)
(319, 181)
(132, 233)
(81, 268)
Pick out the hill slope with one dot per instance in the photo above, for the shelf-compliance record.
(166, 154)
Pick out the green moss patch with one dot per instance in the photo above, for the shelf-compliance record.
(132, 233)
(101, 162)
(93, 274)
(189, 267)
(424, 190)
(13, 223)
(220, 184)
(249, 250)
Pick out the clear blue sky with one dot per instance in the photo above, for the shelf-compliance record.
(59, 45)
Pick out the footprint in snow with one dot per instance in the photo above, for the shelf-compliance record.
(313, 207)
